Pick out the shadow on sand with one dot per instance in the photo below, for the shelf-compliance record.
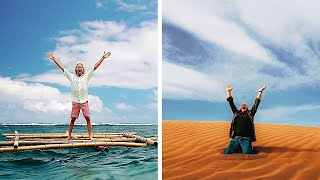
(261, 149)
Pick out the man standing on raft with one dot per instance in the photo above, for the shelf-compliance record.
(242, 129)
(79, 90)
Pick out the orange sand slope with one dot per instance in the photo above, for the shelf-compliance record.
(194, 150)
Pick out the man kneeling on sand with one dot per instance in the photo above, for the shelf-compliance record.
(242, 129)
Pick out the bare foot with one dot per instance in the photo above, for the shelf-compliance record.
(68, 138)
(91, 138)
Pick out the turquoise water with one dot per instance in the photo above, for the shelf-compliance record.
(81, 163)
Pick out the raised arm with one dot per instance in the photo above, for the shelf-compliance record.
(230, 99)
(261, 91)
(257, 100)
(50, 56)
(229, 89)
(105, 55)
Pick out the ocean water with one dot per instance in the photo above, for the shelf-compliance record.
(81, 163)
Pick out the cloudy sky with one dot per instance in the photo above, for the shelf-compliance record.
(208, 44)
(124, 87)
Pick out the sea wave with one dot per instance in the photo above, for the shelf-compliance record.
(64, 124)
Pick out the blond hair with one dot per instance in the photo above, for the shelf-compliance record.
(75, 67)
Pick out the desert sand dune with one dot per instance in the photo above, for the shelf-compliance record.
(194, 150)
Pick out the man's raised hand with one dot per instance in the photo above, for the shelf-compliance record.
(263, 88)
(228, 88)
(50, 56)
(105, 55)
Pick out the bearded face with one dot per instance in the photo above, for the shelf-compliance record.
(243, 107)
(79, 69)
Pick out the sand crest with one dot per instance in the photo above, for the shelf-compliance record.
(194, 150)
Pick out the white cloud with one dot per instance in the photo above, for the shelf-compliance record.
(184, 83)
(99, 4)
(124, 106)
(124, 5)
(152, 106)
(130, 7)
(133, 60)
(96, 103)
(293, 29)
(201, 19)
(54, 76)
(67, 39)
(281, 112)
(290, 114)
(36, 97)
(282, 26)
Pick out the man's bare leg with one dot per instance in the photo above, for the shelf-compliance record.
(89, 126)
(73, 119)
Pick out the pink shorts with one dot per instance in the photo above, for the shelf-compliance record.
(76, 109)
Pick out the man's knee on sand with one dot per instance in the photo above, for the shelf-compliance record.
(232, 147)
(246, 147)
(237, 145)
(246, 151)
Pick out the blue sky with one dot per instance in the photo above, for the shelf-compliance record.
(244, 44)
(124, 88)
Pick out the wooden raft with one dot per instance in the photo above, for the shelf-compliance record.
(22, 142)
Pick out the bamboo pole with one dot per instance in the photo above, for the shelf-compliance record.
(43, 142)
(49, 136)
(154, 138)
(63, 134)
(16, 139)
(72, 145)
(149, 141)
(73, 139)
